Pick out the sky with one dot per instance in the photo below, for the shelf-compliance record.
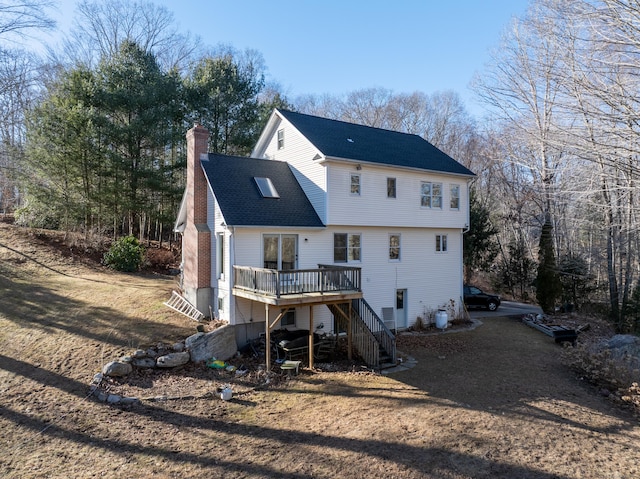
(335, 47)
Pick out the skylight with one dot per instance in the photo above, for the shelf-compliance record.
(267, 190)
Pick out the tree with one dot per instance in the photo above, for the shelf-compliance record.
(223, 97)
(62, 162)
(577, 283)
(480, 248)
(516, 270)
(19, 17)
(101, 26)
(139, 108)
(18, 73)
(548, 286)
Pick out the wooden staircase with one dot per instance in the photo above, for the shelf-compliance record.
(178, 303)
(372, 339)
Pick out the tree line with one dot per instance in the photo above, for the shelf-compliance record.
(91, 137)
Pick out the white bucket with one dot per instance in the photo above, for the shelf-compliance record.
(441, 319)
(226, 394)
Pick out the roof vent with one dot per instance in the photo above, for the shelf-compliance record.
(267, 190)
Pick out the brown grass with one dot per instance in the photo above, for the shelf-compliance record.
(495, 402)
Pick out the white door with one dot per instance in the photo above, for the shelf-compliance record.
(401, 310)
(280, 251)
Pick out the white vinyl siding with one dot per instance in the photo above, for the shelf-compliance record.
(300, 154)
(378, 210)
(431, 279)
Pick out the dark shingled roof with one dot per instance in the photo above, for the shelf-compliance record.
(339, 139)
(233, 184)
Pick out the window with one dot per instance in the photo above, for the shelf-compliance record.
(220, 304)
(454, 203)
(220, 255)
(280, 139)
(279, 251)
(267, 190)
(394, 247)
(391, 187)
(441, 243)
(289, 318)
(355, 184)
(346, 247)
(431, 195)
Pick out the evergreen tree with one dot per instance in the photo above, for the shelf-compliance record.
(548, 286)
(223, 98)
(62, 160)
(138, 107)
(480, 248)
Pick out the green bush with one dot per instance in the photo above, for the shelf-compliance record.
(125, 254)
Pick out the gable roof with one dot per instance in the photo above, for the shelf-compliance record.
(349, 141)
(231, 179)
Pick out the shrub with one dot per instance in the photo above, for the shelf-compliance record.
(125, 254)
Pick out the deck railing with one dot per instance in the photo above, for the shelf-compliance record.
(278, 283)
(370, 334)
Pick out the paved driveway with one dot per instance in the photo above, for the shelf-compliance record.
(507, 308)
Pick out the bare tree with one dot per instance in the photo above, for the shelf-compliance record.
(18, 18)
(100, 27)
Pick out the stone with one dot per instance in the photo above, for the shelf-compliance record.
(130, 400)
(219, 343)
(97, 378)
(144, 363)
(173, 360)
(139, 354)
(116, 369)
(113, 399)
(627, 347)
(178, 347)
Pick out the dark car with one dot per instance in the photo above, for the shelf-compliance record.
(476, 298)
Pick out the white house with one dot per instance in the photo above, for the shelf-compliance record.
(327, 225)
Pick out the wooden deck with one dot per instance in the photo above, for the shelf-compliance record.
(297, 287)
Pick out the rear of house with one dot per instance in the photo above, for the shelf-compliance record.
(326, 198)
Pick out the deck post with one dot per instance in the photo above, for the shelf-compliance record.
(310, 336)
(349, 333)
(267, 338)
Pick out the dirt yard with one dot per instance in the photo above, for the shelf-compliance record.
(494, 402)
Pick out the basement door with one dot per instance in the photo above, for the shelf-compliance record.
(401, 309)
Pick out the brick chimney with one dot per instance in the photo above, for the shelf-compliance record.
(196, 239)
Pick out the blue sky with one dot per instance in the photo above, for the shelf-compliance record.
(334, 47)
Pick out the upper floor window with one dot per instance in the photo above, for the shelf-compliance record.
(391, 187)
(441, 243)
(431, 195)
(280, 139)
(394, 247)
(355, 184)
(454, 193)
(346, 247)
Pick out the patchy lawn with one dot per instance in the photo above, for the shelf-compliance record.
(495, 402)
